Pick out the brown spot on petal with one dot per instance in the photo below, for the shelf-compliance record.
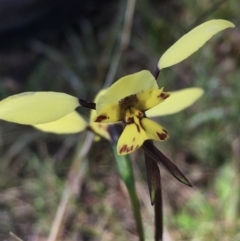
(129, 120)
(140, 115)
(123, 149)
(126, 149)
(138, 128)
(100, 118)
(163, 95)
(128, 101)
(164, 131)
(162, 136)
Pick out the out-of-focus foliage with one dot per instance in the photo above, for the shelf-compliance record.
(204, 140)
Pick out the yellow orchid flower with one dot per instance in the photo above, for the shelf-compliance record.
(119, 104)
(129, 102)
(40, 107)
(134, 97)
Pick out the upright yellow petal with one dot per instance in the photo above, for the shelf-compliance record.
(177, 101)
(192, 41)
(132, 138)
(32, 108)
(126, 86)
(69, 124)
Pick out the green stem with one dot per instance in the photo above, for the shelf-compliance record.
(125, 170)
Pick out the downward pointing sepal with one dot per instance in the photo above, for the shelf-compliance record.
(161, 159)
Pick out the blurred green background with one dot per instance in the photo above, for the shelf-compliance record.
(75, 57)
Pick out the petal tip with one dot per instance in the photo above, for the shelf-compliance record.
(125, 149)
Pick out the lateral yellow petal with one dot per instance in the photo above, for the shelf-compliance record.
(69, 124)
(178, 101)
(153, 130)
(150, 98)
(100, 129)
(192, 41)
(132, 138)
(126, 86)
(109, 114)
(32, 108)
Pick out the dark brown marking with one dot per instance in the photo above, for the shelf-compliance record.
(128, 101)
(123, 149)
(164, 131)
(138, 128)
(129, 120)
(164, 95)
(156, 73)
(134, 139)
(100, 118)
(140, 115)
(162, 136)
(89, 105)
(126, 149)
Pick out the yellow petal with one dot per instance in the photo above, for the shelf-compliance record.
(100, 129)
(126, 86)
(93, 113)
(150, 98)
(132, 137)
(134, 134)
(192, 41)
(109, 114)
(153, 130)
(177, 101)
(69, 124)
(32, 108)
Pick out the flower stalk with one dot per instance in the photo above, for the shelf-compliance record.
(125, 170)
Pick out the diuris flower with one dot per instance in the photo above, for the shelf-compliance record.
(131, 100)
(131, 97)
(129, 105)
(34, 108)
